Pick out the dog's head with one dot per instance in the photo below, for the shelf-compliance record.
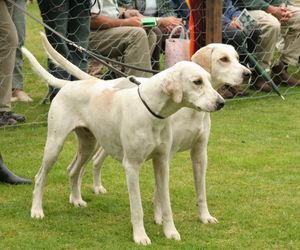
(222, 62)
(190, 86)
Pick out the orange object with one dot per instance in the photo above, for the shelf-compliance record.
(197, 25)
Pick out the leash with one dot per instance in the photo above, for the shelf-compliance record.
(136, 82)
(98, 57)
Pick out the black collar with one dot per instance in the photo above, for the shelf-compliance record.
(135, 81)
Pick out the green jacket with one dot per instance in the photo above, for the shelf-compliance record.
(164, 7)
(256, 4)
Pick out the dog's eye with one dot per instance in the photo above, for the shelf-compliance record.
(225, 59)
(198, 82)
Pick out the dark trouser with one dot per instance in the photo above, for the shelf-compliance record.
(240, 41)
(155, 58)
(71, 18)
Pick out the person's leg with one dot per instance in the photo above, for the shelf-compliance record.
(131, 43)
(8, 45)
(79, 30)
(270, 31)
(291, 35)
(237, 39)
(290, 31)
(18, 18)
(155, 58)
(55, 14)
(295, 3)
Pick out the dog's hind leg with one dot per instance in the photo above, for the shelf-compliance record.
(98, 160)
(199, 159)
(54, 145)
(86, 148)
(161, 171)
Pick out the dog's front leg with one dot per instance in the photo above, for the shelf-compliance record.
(199, 159)
(132, 170)
(161, 171)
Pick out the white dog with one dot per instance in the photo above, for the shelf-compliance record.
(130, 124)
(190, 129)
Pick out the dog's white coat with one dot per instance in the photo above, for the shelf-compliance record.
(190, 129)
(100, 112)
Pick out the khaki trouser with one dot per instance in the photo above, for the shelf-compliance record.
(8, 45)
(295, 3)
(131, 43)
(271, 29)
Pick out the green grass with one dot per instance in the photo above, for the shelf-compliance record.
(252, 183)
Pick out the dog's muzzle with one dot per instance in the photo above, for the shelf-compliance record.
(220, 103)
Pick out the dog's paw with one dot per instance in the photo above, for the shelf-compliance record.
(158, 220)
(37, 214)
(142, 239)
(78, 202)
(171, 232)
(208, 219)
(99, 190)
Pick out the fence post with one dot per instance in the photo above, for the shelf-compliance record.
(213, 21)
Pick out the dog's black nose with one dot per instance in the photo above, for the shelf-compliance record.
(220, 104)
(247, 74)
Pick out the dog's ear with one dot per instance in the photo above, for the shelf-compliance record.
(173, 88)
(203, 57)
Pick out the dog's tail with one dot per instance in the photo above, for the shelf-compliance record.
(44, 74)
(62, 62)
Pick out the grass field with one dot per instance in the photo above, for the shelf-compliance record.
(252, 182)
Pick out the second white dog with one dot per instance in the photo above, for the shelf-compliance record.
(190, 129)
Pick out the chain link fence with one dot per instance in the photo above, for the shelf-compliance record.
(270, 49)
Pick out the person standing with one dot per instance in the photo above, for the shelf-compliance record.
(8, 45)
(18, 17)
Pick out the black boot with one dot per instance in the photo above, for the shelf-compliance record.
(8, 177)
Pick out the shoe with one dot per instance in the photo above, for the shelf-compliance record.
(281, 76)
(7, 176)
(17, 117)
(20, 95)
(225, 92)
(258, 83)
(6, 120)
(10, 118)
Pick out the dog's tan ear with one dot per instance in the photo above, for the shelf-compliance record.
(203, 57)
(174, 89)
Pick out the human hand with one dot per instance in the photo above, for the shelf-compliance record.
(169, 23)
(282, 13)
(133, 21)
(234, 24)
